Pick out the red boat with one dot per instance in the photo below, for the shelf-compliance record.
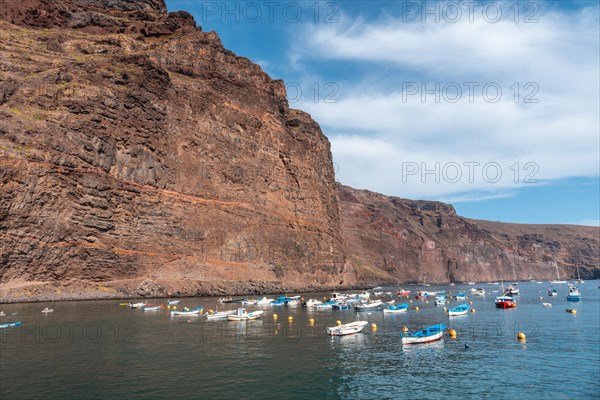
(505, 302)
(403, 293)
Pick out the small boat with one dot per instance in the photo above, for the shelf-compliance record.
(2, 313)
(138, 305)
(152, 308)
(47, 310)
(377, 293)
(471, 283)
(347, 329)
(335, 296)
(325, 306)
(341, 306)
(195, 311)
(558, 280)
(511, 291)
(547, 305)
(423, 294)
(242, 315)
(231, 301)
(552, 292)
(121, 304)
(430, 334)
(292, 303)
(462, 309)
(505, 302)
(479, 292)
(574, 294)
(263, 301)
(277, 303)
(461, 296)
(578, 280)
(370, 306)
(403, 293)
(440, 300)
(11, 324)
(364, 295)
(311, 303)
(220, 314)
(400, 308)
(250, 302)
(173, 302)
(390, 302)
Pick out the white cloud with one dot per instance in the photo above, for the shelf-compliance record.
(589, 222)
(375, 131)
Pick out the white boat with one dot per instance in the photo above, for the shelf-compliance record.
(347, 329)
(335, 296)
(578, 280)
(440, 301)
(220, 314)
(136, 305)
(292, 303)
(370, 306)
(463, 309)
(312, 303)
(47, 310)
(242, 315)
(152, 308)
(470, 283)
(430, 334)
(250, 302)
(263, 301)
(547, 304)
(195, 311)
(400, 308)
(173, 302)
(364, 295)
(480, 292)
(2, 313)
(557, 275)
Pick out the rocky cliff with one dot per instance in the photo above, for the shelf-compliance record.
(139, 157)
(395, 239)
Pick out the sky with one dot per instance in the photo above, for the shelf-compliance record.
(493, 107)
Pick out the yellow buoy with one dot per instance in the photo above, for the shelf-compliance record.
(404, 329)
(210, 311)
(373, 327)
(445, 309)
(521, 336)
(338, 322)
(290, 318)
(572, 310)
(311, 321)
(417, 308)
(452, 333)
(168, 307)
(274, 315)
(471, 302)
(472, 310)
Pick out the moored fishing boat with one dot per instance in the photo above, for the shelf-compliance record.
(341, 306)
(47, 310)
(400, 308)
(574, 294)
(440, 300)
(552, 292)
(11, 324)
(311, 303)
(263, 301)
(370, 306)
(138, 305)
(231, 301)
(462, 309)
(511, 290)
(364, 295)
(152, 308)
(195, 311)
(430, 334)
(547, 305)
(173, 302)
(479, 292)
(325, 306)
(461, 296)
(220, 314)
(242, 315)
(423, 294)
(403, 293)
(505, 302)
(347, 329)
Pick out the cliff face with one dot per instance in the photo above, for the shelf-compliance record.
(394, 239)
(140, 157)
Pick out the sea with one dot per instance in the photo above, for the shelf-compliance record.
(103, 350)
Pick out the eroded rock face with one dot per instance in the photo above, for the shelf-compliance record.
(399, 240)
(167, 160)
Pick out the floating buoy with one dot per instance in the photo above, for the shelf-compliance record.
(427, 301)
(410, 301)
(466, 346)
(186, 309)
(404, 329)
(338, 322)
(572, 310)
(541, 297)
(472, 310)
(417, 308)
(521, 336)
(168, 307)
(311, 321)
(210, 311)
(445, 309)
(452, 333)
(274, 315)
(471, 303)
(290, 318)
(373, 327)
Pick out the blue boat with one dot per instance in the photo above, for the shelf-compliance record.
(400, 308)
(574, 294)
(10, 325)
(461, 296)
(430, 334)
(462, 309)
(341, 306)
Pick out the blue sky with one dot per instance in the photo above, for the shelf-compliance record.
(492, 106)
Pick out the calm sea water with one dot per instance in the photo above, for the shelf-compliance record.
(97, 349)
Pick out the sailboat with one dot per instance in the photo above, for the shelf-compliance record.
(557, 275)
(579, 280)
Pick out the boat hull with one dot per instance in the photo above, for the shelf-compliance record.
(347, 329)
(424, 339)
